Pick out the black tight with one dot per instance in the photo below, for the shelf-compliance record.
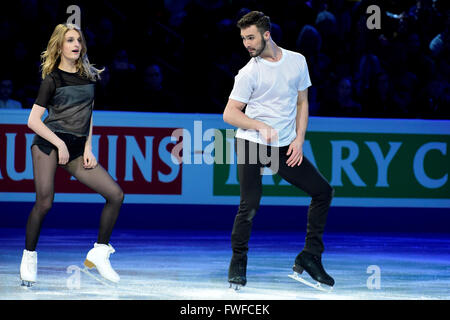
(98, 179)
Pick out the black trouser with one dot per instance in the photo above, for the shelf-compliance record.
(305, 177)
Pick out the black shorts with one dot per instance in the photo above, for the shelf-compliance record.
(74, 144)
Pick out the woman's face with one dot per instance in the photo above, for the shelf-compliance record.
(72, 45)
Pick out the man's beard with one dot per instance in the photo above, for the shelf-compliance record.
(258, 52)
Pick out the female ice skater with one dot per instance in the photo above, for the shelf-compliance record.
(273, 87)
(64, 139)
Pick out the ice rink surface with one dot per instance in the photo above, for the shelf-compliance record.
(180, 265)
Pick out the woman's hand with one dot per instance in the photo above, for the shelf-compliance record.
(63, 153)
(89, 160)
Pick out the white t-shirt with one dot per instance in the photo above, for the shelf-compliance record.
(270, 90)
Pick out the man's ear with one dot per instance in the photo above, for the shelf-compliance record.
(266, 35)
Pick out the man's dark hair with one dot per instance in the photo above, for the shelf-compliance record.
(257, 18)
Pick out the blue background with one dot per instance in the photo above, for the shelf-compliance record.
(221, 217)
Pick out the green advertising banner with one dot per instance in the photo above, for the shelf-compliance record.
(364, 165)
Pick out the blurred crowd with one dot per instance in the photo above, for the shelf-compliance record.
(182, 55)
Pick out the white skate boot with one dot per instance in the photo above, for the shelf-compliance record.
(28, 268)
(98, 257)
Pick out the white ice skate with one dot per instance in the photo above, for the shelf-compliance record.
(98, 257)
(28, 268)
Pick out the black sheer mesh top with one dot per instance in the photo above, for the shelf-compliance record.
(69, 99)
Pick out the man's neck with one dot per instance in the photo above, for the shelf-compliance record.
(272, 52)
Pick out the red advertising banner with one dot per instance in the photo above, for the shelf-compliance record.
(138, 158)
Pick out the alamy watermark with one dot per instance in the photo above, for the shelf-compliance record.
(190, 149)
(73, 281)
(75, 17)
(374, 280)
(374, 20)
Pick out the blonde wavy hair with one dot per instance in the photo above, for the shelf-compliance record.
(51, 57)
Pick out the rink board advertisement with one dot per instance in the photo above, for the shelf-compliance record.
(190, 159)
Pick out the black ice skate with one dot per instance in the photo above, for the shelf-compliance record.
(312, 264)
(237, 271)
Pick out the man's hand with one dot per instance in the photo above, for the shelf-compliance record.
(269, 134)
(295, 152)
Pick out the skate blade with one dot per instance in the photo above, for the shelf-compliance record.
(26, 284)
(102, 280)
(236, 287)
(317, 285)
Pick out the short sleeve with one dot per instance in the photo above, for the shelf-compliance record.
(243, 87)
(305, 81)
(46, 91)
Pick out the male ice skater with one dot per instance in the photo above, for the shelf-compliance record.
(273, 87)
